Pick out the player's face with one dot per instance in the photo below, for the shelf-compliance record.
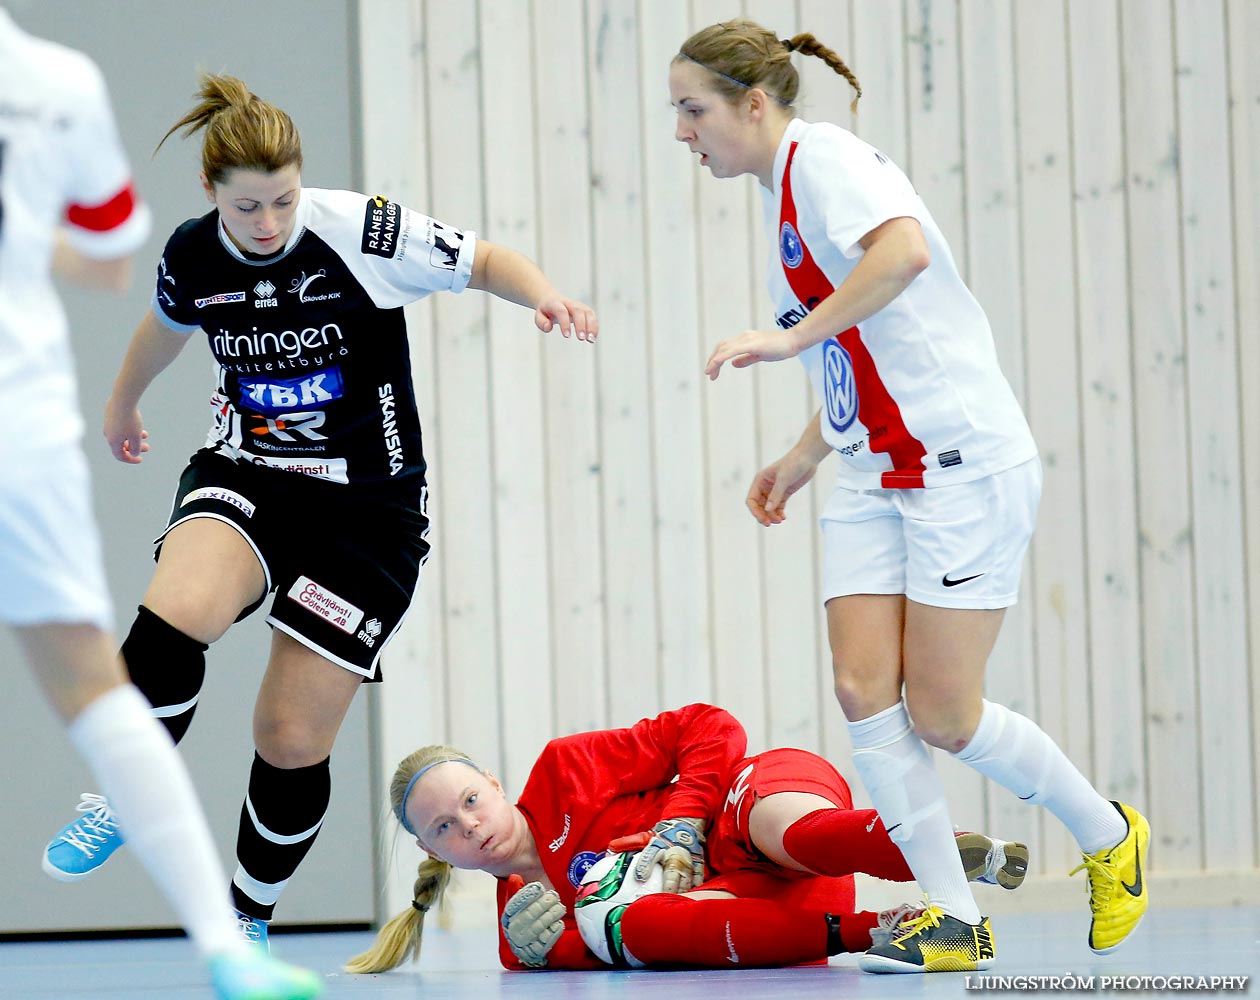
(258, 208)
(462, 817)
(707, 122)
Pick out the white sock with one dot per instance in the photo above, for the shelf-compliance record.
(150, 791)
(1018, 755)
(896, 768)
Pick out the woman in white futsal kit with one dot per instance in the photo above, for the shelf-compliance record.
(67, 205)
(936, 492)
(311, 483)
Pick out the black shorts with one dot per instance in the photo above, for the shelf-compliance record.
(343, 562)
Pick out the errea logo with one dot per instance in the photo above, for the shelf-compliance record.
(265, 290)
(368, 634)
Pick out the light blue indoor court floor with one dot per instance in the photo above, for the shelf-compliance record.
(1184, 943)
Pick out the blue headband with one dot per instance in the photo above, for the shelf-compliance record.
(402, 807)
(739, 83)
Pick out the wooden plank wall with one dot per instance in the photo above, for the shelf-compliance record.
(1094, 165)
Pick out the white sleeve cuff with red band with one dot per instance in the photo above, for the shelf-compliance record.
(115, 228)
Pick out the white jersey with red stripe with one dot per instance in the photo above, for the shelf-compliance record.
(913, 396)
(62, 165)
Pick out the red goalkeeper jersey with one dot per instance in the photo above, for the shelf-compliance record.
(590, 788)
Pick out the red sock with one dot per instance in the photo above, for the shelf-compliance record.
(662, 930)
(845, 841)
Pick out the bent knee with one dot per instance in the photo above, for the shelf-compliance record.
(948, 727)
(202, 620)
(862, 695)
(289, 743)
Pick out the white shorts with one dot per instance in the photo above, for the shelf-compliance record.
(50, 553)
(958, 546)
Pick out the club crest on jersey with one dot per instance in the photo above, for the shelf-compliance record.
(791, 249)
(839, 386)
(299, 286)
(580, 864)
(445, 242)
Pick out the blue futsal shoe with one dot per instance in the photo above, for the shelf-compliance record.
(254, 931)
(254, 975)
(84, 845)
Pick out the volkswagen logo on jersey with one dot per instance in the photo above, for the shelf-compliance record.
(839, 385)
(581, 864)
(791, 250)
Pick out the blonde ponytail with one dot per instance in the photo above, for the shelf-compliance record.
(399, 940)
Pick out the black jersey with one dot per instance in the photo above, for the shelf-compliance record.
(314, 369)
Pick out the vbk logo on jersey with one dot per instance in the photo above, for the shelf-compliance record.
(282, 395)
(580, 864)
(791, 250)
(839, 386)
(220, 299)
(264, 290)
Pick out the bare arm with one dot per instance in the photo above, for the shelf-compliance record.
(773, 485)
(109, 275)
(153, 347)
(895, 254)
(513, 277)
(811, 447)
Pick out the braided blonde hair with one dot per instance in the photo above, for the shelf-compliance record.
(743, 54)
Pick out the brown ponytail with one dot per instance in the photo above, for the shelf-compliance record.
(242, 131)
(806, 44)
(742, 54)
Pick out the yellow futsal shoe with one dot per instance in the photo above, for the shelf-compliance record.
(933, 942)
(1117, 884)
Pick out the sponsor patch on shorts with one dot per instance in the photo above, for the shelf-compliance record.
(226, 496)
(319, 600)
(948, 458)
(332, 469)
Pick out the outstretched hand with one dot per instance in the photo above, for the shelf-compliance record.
(569, 315)
(750, 347)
